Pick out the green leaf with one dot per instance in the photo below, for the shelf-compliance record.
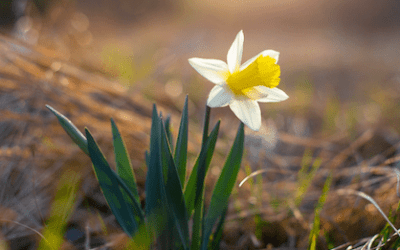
(205, 160)
(218, 232)
(71, 130)
(167, 125)
(141, 240)
(110, 185)
(194, 190)
(224, 186)
(173, 189)
(155, 191)
(180, 156)
(194, 185)
(197, 223)
(123, 162)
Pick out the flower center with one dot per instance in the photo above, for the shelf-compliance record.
(262, 72)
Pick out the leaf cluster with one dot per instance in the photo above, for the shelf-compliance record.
(171, 199)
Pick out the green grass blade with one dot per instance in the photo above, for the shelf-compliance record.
(194, 186)
(173, 190)
(61, 209)
(305, 179)
(71, 130)
(180, 156)
(224, 185)
(385, 232)
(110, 185)
(123, 162)
(312, 242)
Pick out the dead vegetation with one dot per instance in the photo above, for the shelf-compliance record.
(34, 152)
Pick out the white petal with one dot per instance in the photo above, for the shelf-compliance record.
(271, 53)
(219, 97)
(248, 112)
(216, 71)
(235, 52)
(271, 95)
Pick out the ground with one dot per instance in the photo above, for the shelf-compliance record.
(91, 62)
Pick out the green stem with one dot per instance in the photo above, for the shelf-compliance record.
(206, 124)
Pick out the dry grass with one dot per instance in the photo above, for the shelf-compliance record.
(355, 141)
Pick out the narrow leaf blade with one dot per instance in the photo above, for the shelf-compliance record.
(173, 189)
(123, 161)
(154, 173)
(71, 130)
(218, 232)
(194, 185)
(155, 191)
(224, 185)
(197, 223)
(180, 156)
(111, 188)
(167, 125)
(312, 241)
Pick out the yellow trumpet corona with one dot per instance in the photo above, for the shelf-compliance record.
(262, 72)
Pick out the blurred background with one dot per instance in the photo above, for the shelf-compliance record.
(337, 45)
(345, 50)
(340, 66)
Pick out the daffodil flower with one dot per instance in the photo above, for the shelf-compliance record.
(242, 86)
